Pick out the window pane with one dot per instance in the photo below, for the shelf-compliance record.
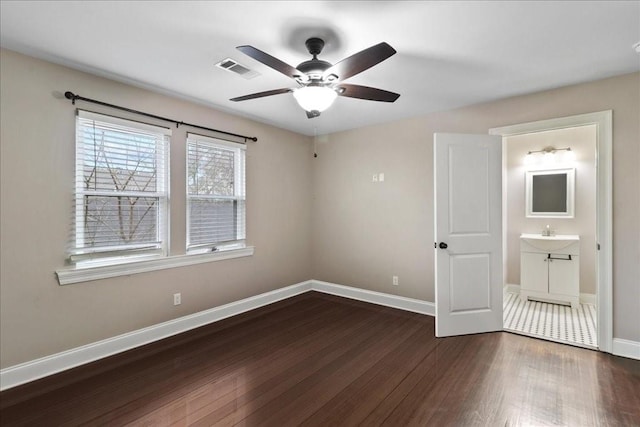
(211, 170)
(120, 220)
(114, 160)
(212, 220)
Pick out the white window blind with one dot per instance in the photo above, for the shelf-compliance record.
(215, 193)
(121, 196)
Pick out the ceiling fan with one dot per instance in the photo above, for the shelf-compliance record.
(320, 82)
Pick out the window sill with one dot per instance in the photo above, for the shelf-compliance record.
(71, 275)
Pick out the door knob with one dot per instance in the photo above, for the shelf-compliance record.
(443, 245)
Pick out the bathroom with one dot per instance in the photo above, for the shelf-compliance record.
(569, 154)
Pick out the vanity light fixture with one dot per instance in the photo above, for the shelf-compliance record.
(549, 155)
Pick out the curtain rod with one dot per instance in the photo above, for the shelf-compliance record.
(73, 97)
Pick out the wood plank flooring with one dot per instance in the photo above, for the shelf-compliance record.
(320, 360)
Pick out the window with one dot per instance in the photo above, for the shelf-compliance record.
(121, 220)
(121, 194)
(215, 194)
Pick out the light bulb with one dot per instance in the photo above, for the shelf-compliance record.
(569, 156)
(315, 98)
(529, 159)
(549, 157)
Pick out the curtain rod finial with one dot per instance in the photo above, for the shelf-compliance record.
(70, 95)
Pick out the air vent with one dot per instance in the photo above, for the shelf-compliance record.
(236, 68)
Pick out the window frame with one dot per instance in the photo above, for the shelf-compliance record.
(83, 256)
(239, 172)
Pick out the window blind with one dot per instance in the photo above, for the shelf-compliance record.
(121, 189)
(215, 193)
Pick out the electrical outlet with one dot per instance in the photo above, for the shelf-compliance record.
(380, 177)
(395, 280)
(177, 299)
(375, 178)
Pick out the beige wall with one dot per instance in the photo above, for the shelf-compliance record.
(582, 141)
(39, 317)
(363, 233)
(318, 218)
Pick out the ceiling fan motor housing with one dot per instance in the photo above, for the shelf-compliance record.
(314, 46)
(313, 69)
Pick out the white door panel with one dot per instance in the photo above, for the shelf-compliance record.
(468, 210)
(463, 298)
(468, 221)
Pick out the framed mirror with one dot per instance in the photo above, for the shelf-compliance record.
(550, 193)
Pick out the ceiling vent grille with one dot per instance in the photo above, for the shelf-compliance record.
(236, 68)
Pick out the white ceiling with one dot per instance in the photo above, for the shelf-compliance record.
(450, 54)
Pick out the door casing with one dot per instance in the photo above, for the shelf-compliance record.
(604, 205)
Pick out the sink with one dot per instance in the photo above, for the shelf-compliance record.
(550, 243)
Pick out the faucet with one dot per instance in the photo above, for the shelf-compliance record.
(547, 231)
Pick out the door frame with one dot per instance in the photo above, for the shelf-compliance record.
(604, 205)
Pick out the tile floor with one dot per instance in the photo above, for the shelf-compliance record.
(553, 322)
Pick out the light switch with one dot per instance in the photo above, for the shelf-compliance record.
(381, 177)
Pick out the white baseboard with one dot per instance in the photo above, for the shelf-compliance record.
(388, 300)
(49, 365)
(514, 289)
(626, 348)
(584, 298)
(588, 298)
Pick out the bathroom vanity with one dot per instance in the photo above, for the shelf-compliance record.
(549, 268)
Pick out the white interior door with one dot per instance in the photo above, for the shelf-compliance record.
(468, 233)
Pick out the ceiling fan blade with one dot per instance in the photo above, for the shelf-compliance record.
(365, 92)
(260, 94)
(269, 61)
(360, 61)
(312, 114)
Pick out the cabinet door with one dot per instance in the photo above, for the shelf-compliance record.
(534, 272)
(563, 275)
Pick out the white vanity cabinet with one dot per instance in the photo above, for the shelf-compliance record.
(549, 268)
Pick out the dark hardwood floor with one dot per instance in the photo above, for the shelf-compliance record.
(319, 360)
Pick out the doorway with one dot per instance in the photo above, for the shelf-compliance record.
(536, 316)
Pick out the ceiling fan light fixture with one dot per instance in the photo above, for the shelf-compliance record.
(321, 82)
(315, 98)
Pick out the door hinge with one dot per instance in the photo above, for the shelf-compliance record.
(598, 245)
